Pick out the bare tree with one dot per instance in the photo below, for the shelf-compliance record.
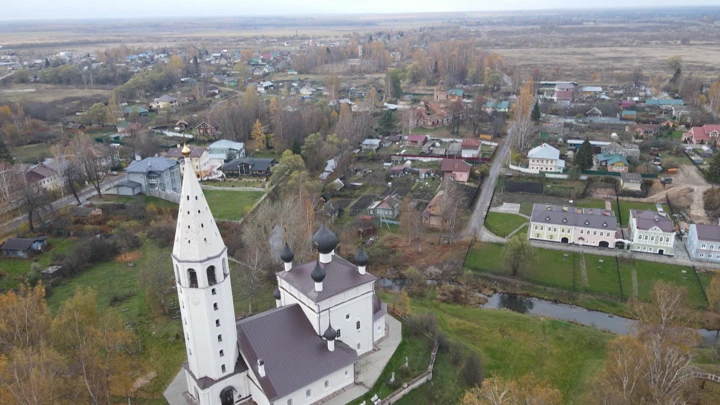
(89, 159)
(414, 225)
(252, 271)
(35, 201)
(156, 277)
(10, 180)
(69, 169)
(523, 130)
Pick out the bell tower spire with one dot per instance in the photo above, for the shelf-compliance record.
(203, 284)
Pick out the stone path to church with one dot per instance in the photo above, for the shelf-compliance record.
(371, 366)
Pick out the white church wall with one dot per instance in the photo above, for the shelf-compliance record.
(346, 315)
(211, 395)
(336, 381)
(379, 328)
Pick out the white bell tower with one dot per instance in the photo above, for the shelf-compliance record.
(203, 283)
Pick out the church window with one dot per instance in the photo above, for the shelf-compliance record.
(358, 346)
(213, 291)
(215, 306)
(217, 322)
(327, 383)
(308, 393)
(211, 275)
(338, 334)
(219, 338)
(346, 373)
(347, 316)
(222, 368)
(192, 276)
(222, 353)
(357, 325)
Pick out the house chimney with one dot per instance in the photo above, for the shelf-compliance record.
(261, 367)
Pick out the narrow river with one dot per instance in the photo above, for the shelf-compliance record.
(566, 312)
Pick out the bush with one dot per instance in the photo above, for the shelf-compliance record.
(163, 233)
(422, 324)
(457, 351)
(127, 241)
(472, 370)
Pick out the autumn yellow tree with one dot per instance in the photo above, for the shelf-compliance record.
(175, 67)
(258, 136)
(402, 304)
(371, 98)
(33, 376)
(527, 391)
(24, 318)
(96, 345)
(714, 96)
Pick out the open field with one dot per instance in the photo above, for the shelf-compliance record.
(590, 273)
(12, 271)
(43, 93)
(612, 61)
(503, 224)
(31, 153)
(231, 205)
(513, 345)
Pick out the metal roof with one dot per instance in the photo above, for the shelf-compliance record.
(572, 216)
(707, 232)
(543, 151)
(341, 275)
(646, 219)
(293, 353)
(21, 244)
(151, 164)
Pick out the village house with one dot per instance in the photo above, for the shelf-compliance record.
(387, 208)
(46, 176)
(702, 135)
(703, 242)
(470, 148)
(164, 101)
(199, 157)
(370, 145)
(248, 166)
(651, 232)
(568, 224)
(207, 128)
(545, 158)
(626, 149)
(23, 248)
(457, 169)
(433, 216)
(628, 115)
(416, 140)
(499, 106)
(642, 130)
(228, 150)
(150, 174)
(613, 163)
(134, 109)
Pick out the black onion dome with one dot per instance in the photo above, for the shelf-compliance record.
(330, 333)
(324, 240)
(287, 255)
(276, 293)
(318, 274)
(361, 258)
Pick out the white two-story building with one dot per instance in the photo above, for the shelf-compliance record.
(651, 232)
(546, 159)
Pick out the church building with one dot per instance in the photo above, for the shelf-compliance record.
(302, 351)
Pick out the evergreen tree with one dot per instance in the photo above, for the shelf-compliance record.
(536, 113)
(387, 122)
(584, 157)
(5, 153)
(47, 63)
(713, 173)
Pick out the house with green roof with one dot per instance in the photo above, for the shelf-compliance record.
(614, 163)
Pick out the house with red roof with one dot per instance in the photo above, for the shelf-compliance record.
(418, 140)
(457, 169)
(702, 135)
(470, 148)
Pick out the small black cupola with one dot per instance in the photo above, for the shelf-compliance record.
(324, 240)
(361, 258)
(318, 274)
(330, 333)
(287, 254)
(276, 293)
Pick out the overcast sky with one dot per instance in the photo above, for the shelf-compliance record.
(79, 9)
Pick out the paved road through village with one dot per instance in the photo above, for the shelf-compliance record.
(483, 202)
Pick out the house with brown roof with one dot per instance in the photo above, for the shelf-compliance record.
(457, 169)
(44, 175)
(702, 135)
(207, 128)
(642, 130)
(470, 148)
(651, 232)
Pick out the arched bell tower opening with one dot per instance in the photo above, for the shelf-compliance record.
(226, 396)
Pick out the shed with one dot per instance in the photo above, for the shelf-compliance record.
(23, 247)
